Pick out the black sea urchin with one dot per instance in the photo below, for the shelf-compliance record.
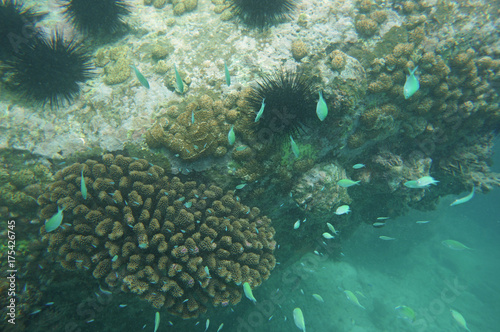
(17, 26)
(262, 13)
(289, 104)
(49, 69)
(96, 17)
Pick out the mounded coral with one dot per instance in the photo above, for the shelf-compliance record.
(179, 245)
(299, 49)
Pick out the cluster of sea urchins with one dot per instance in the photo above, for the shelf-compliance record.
(289, 104)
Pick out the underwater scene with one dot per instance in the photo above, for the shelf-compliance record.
(250, 165)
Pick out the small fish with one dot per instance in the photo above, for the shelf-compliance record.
(295, 148)
(343, 209)
(226, 72)
(321, 108)
(241, 148)
(382, 218)
(220, 327)
(422, 221)
(331, 228)
(178, 80)
(455, 245)
(459, 318)
(358, 166)
(298, 318)
(241, 186)
(157, 321)
(248, 292)
(49, 303)
(231, 137)
(89, 321)
(425, 181)
(261, 111)
(140, 77)
(55, 221)
(346, 183)
(386, 238)
(318, 297)
(83, 187)
(192, 118)
(411, 85)
(207, 324)
(35, 312)
(463, 199)
(122, 305)
(328, 236)
(406, 313)
(378, 224)
(351, 297)
(297, 224)
(188, 204)
(115, 257)
(412, 185)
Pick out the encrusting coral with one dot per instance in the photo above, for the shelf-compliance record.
(181, 245)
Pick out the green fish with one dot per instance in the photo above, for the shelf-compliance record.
(295, 148)
(463, 199)
(358, 166)
(241, 186)
(55, 221)
(228, 77)
(248, 292)
(321, 108)
(455, 245)
(406, 313)
(261, 111)
(230, 136)
(351, 297)
(346, 183)
(459, 318)
(140, 77)
(192, 117)
(411, 85)
(83, 187)
(178, 80)
(298, 318)
(157, 321)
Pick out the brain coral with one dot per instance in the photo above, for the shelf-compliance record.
(181, 245)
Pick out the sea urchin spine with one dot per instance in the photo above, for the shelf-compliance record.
(262, 13)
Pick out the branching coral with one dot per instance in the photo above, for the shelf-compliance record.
(176, 244)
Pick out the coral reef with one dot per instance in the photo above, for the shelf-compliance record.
(299, 49)
(179, 245)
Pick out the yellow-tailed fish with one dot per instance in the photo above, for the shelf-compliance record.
(220, 327)
(295, 148)
(358, 166)
(55, 221)
(298, 318)
(157, 321)
(261, 111)
(406, 312)
(83, 187)
(459, 318)
(331, 228)
(248, 292)
(178, 80)
(386, 238)
(455, 245)
(318, 298)
(346, 183)
(321, 108)
(411, 85)
(463, 199)
(231, 137)
(226, 72)
(140, 77)
(351, 297)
